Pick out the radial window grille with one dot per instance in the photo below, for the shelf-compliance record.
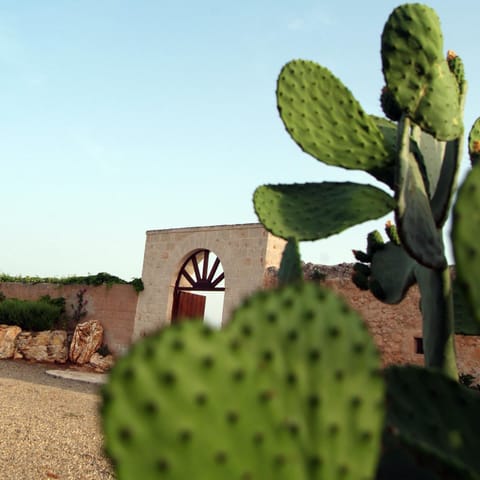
(202, 271)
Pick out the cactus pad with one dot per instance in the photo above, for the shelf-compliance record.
(289, 389)
(455, 64)
(438, 162)
(313, 211)
(392, 270)
(389, 105)
(442, 197)
(436, 417)
(414, 218)
(474, 142)
(465, 236)
(465, 324)
(325, 120)
(386, 173)
(290, 270)
(417, 73)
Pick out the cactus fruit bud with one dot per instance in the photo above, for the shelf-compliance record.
(474, 142)
(451, 55)
(455, 65)
(361, 256)
(391, 231)
(374, 242)
(389, 105)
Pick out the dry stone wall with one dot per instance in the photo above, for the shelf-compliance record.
(54, 346)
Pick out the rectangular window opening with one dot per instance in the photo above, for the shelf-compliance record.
(418, 345)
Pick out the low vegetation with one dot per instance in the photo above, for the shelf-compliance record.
(101, 278)
(33, 315)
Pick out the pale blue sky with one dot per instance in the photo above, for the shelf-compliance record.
(119, 116)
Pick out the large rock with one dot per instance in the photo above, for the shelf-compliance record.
(87, 339)
(100, 363)
(8, 335)
(48, 346)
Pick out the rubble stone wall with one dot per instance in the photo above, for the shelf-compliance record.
(396, 328)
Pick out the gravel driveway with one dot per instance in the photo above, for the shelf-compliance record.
(49, 427)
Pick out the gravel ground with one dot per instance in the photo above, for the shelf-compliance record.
(49, 426)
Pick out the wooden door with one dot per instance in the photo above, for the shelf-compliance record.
(188, 305)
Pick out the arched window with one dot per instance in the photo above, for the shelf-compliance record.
(199, 288)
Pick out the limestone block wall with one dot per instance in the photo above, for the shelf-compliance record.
(114, 306)
(245, 251)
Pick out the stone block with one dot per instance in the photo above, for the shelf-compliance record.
(8, 335)
(47, 346)
(87, 339)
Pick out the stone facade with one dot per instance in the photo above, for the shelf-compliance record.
(245, 252)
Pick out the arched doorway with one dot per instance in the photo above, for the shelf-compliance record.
(199, 288)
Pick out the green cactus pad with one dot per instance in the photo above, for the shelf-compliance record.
(414, 218)
(455, 64)
(417, 73)
(398, 463)
(436, 417)
(325, 120)
(312, 334)
(474, 142)
(313, 211)
(438, 162)
(442, 197)
(288, 390)
(290, 270)
(438, 324)
(386, 173)
(430, 155)
(465, 324)
(389, 105)
(392, 269)
(465, 237)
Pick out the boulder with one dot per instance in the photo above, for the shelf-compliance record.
(100, 363)
(87, 339)
(47, 346)
(8, 335)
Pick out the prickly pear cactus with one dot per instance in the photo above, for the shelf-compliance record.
(289, 390)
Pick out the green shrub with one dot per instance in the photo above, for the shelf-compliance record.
(57, 301)
(29, 314)
(101, 278)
